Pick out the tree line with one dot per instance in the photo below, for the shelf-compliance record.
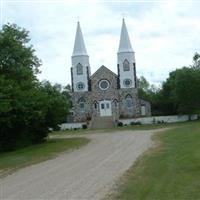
(178, 94)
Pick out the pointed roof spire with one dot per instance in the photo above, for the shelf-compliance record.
(125, 44)
(79, 45)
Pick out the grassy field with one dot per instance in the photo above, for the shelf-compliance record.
(169, 172)
(37, 153)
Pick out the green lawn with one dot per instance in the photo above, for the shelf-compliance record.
(37, 153)
(169, 172)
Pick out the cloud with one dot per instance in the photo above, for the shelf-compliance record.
(164, 35)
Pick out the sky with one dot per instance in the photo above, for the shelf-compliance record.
(164, 34)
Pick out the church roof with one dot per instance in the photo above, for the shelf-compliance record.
(125, 44)
(79, 45)
(105, 69)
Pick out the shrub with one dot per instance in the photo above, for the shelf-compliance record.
(120, 124)
(135, 123)
(84, 126)
(138, 123)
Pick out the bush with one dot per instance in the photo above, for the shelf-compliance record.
(135, 123)
(84, 126)
(120, 124)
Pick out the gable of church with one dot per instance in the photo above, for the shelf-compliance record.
(103, 73)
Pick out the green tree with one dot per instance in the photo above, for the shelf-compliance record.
(181, 91)
(187, 87)
(196, 61)
(26, 106)
(21, 100)
(152, 94)
(58, 104)
(143, 84)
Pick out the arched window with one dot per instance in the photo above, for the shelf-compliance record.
(95, 105)
(79, 69)
(129, 101)
(80, 85)
(126, 65)
(127, 82)
(115, 103)
(81, 102)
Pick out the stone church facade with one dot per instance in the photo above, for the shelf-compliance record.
(105, 93)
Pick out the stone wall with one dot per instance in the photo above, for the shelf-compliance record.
(66, 126)
(79, 114)
(159, 119)
(134, 111)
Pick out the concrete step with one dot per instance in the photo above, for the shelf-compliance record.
(102, 122)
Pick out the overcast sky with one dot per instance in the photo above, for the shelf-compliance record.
(164, 34)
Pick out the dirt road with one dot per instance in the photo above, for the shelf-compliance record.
(87, 173)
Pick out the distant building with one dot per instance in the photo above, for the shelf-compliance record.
(105, 93)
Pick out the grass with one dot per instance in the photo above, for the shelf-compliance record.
(171, 171)
(14, 160)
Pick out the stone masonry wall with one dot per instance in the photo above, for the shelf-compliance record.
(116, 96)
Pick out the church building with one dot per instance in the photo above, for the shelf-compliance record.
(105, 93)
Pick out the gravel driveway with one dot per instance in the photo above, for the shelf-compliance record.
(87, 173)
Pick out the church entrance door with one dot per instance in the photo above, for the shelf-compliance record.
(105, 108)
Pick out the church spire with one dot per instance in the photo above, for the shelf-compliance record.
(79, 45)
(125, 44)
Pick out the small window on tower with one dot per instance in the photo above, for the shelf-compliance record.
(80, 85)
(126, 65)
(79, 69)
(127, 82)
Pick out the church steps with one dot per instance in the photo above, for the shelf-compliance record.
(102, 122)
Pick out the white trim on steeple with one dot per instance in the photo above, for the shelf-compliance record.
(79, 45)
(125, 44)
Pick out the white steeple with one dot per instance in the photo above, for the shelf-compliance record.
(79, 45)
(126, 61)
(80, 70)
(125, 44)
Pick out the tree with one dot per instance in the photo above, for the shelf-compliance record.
(21, 100)
(181, 91)
(196, 61)
(58, 104)
(143, 84)
(187, 87)
(28, 108)
(152, 94)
